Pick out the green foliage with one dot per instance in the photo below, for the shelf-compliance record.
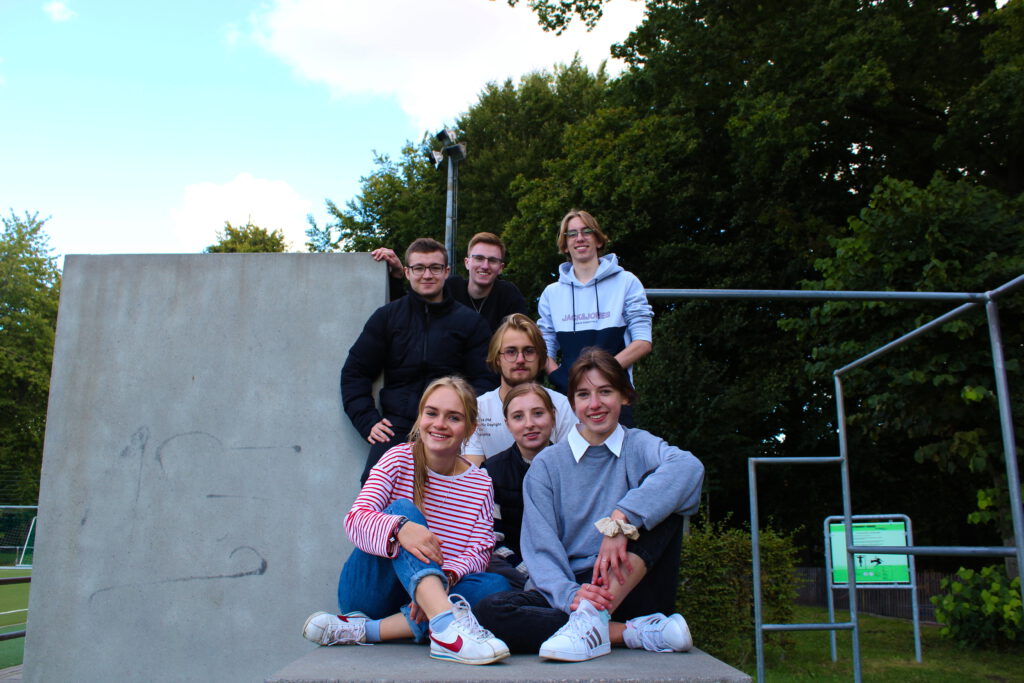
(732, 153)
(247, 239)
(935, 399)
(557, 15)
(399, 201)
(981, 609)
(716, 594)
(29, 293)
(513, 131)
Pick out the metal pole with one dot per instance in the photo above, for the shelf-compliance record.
(1006, 422)
(913, 590)
(755, 546)
(449, 214)
(851, 575)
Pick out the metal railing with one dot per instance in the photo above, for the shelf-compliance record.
(969, 302)
(3, 582)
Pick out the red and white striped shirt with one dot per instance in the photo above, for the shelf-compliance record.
(459, 511)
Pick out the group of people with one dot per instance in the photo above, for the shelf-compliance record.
(497, 515)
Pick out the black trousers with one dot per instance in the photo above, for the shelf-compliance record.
(525, 619)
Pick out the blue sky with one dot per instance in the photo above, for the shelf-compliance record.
(140, 127)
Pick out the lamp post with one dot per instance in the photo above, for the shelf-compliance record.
(454, 152)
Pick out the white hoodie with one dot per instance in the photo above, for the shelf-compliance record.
(610, 311)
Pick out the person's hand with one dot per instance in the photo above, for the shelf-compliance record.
(381, 432)
(416, 613)
(421, 542)
(388, 255)
(612, 558)
(599, 596)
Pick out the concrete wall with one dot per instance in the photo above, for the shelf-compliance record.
(197, 464)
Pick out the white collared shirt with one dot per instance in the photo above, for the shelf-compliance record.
(579, 445)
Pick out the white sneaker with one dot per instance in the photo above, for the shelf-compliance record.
(465, 640)
(584, 637)
(335, 629)
(658, 633)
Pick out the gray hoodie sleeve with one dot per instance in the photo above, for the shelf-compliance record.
(664, 480)
(540, 543)
(638, 313)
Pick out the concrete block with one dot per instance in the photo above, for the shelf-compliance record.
(404, 663)
(197, 465)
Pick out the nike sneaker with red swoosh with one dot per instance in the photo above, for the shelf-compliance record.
(465, 640)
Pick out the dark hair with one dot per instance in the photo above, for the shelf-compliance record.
(589, 221)
(519, 323)
(596, 358)
(426, 245)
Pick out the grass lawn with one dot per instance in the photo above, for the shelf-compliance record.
(13, 599)
(887, 654)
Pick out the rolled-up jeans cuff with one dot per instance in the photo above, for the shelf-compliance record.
(421, 631)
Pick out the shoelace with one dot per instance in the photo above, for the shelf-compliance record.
(467, 622)
(578, 624)
(343, 632)
(652, 637)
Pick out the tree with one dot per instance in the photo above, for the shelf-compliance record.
(247, 239)
(398, 202)
(29, 293)
(512, 131)
(556, 16)
(934, 399)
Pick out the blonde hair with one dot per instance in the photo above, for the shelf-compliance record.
(520, 323)
(419, 456)
(589, 221)
(528, 388)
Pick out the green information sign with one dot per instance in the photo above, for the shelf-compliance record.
(870, 568)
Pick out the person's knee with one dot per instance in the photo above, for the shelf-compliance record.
(491, 583)
(408, 509)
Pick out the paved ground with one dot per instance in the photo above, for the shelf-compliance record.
(400, 662)
(11, 674)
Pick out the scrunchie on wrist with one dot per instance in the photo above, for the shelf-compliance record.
(613, 527)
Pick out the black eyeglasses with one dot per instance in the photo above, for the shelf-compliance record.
(434, 268)
(511, 353)
(478, 259)
(571, 234)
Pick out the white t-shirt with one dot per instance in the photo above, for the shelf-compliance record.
(492, 436)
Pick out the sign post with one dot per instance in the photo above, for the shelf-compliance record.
(871, 570)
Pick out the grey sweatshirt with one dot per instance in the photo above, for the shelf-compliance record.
(648, 481)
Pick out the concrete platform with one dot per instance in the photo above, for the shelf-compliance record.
(404, 662)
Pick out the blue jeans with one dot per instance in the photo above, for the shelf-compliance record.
(380, 586)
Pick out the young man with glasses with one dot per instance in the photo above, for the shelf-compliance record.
(594, 302)
(484, 291)
(413, 340)
(517, 353)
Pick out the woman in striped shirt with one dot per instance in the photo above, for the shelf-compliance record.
(423, 529)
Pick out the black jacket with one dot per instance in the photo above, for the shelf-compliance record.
(412, 342)
(507, 470)
(504, 299)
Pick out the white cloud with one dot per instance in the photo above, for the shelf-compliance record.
(434, 57)
(58, 11)
(270, 204)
